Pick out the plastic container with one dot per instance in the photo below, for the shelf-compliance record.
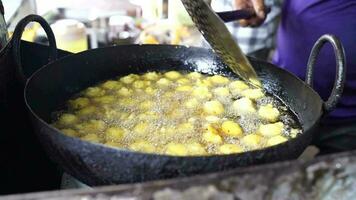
(70, 35)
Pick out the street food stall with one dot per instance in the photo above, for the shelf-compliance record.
(134, 99)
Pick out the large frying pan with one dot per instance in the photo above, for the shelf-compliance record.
(95, 164)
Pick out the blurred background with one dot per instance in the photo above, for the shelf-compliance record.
(83, 24)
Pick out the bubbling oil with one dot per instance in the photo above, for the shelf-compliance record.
(177, 113)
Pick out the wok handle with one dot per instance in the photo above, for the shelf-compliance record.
(229, 16)
(340, 68)
(16, 41)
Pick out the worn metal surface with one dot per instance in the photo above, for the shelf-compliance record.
(325, 178)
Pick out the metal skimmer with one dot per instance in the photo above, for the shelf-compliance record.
(218, 36)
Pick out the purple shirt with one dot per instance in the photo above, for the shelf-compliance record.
(302, 23)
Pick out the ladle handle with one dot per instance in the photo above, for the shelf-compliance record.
(230, 16)
(340, 69)
(16, 41)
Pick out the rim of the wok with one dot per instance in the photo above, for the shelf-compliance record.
(57, 131)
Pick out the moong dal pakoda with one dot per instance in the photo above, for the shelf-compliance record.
(178, 113)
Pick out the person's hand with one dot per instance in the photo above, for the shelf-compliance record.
(258, 6)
